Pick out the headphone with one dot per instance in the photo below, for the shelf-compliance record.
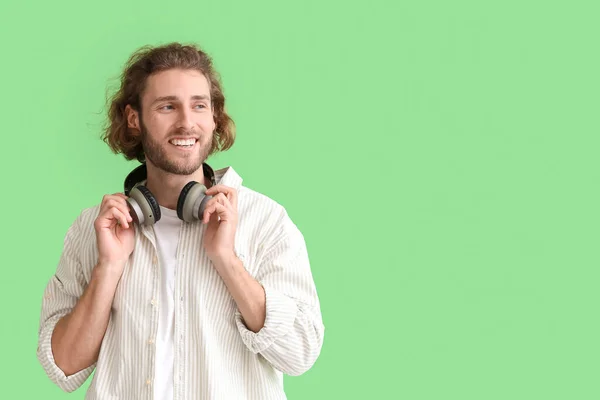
(144, 208)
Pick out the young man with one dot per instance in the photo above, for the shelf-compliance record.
(164, 299)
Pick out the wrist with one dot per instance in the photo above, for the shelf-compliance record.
(108, 270)
(224, 260)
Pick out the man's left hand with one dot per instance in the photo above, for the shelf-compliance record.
(221, 215)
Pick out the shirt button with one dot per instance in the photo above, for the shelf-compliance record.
(154, 260)
(150, 341)
(153, 302)
(148, 381)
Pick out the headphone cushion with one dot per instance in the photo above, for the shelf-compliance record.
(151, 202)
(182, 198)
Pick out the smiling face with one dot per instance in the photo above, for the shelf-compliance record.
(176, 123)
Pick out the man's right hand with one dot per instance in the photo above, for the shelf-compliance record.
(115, 233)
(77, 337)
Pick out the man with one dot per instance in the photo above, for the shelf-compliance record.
(219, 307)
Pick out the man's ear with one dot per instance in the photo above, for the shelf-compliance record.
(133, 118)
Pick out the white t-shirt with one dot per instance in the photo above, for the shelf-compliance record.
(167, 234)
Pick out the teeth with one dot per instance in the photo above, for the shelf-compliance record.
(180, 142)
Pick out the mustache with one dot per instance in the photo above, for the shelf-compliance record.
(184, 132)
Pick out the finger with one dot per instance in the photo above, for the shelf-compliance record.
(221, 199)
(109, 217)
(119, 203)
(118, 216)
(107, 197)
(216, 209)
(113, 202)
(228, 191)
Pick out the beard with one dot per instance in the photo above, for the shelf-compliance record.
(157, 154)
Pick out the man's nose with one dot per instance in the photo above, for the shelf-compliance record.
(186, 120)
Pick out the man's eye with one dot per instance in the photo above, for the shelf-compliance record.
(165, 107)
(201, 105)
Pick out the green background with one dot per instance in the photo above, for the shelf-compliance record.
(440, 158)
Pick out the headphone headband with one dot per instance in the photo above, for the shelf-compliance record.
(140, 173)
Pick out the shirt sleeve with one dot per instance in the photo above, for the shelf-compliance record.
(60, 297)
(292, 336)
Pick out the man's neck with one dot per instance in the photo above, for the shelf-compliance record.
(166, 187)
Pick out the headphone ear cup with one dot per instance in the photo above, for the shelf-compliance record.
(182, 198)
(144, 207)
(191, 202)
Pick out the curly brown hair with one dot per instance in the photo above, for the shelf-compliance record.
(141, 64)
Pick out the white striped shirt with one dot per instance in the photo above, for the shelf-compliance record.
(215, 355)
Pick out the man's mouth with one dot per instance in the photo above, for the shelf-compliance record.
(184, 143)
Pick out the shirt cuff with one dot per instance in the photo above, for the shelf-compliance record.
(280, 315)
(46, 357)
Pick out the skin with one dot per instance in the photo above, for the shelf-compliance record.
(175, 104)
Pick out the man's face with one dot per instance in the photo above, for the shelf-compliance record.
(176, 110)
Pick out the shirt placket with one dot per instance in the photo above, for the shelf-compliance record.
(180, 301)
(153, 303)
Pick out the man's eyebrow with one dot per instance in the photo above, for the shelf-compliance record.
(201, 97)
(175, 98)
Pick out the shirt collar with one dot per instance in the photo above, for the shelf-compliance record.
(229, 177)
(225, 176)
